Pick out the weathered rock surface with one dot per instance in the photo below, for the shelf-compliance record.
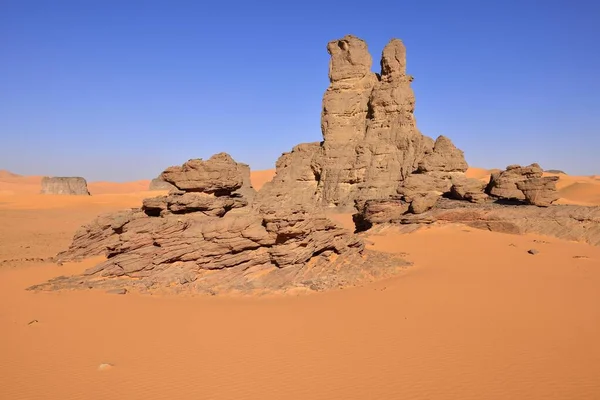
(524, 183)
(503, 184)
(540, 191)
(568, 222)
(445, 157)
(219, 175)
(160, 184)
(469, 189)
(207, 239)
(371, 143)
(65, 185)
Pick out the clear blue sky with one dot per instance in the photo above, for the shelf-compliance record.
(121, 89)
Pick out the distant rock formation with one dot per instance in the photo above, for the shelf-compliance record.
(203, 237)
(65, 185)
(371, 144)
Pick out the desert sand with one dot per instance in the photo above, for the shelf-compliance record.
(475, 317)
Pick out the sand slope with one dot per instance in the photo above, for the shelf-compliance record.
(478, 318)
(460, 324)
(259, 178)
(96, 188)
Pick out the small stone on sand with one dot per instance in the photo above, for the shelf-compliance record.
(105, 367)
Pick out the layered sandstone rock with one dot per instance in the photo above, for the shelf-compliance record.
(469, 189)
(65, 185)
(524, 183)
(437, 172)
(540, 191)
(371, 143)
(568, 222)
(220, 175)
(203, 237)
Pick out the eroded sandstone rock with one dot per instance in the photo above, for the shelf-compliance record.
(540, 191)
(207, 238)
(445, 157)
(220, 174)
(503, 184)
(65, 185)
(567, 222)
(371, 143)
(469, 189)
(524, 183)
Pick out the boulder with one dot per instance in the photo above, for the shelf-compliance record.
(540, 192)
(524, 183)
(422, 202)
(220, 175)
(444, 157)
(503, 184)
(65, 185)
(469, 189)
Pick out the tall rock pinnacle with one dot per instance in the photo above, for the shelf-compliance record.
(371, 142)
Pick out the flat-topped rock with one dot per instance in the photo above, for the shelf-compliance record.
(219, 174)
(73, 185)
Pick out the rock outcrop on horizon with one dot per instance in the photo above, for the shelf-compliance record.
(74, 186)
(371, 143)
(204, 237)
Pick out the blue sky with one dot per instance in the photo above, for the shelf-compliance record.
(119, 90)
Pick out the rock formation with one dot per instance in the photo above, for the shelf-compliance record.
(524, 183)
(160, 184)
(213, 233)
(567, 222)
(64, 185)
(203, 237)
(371, 143)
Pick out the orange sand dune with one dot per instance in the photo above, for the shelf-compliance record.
(116, 188)
(11, 183)
(582, 193)
(478, 318)
(478, 173)
(259, 178)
